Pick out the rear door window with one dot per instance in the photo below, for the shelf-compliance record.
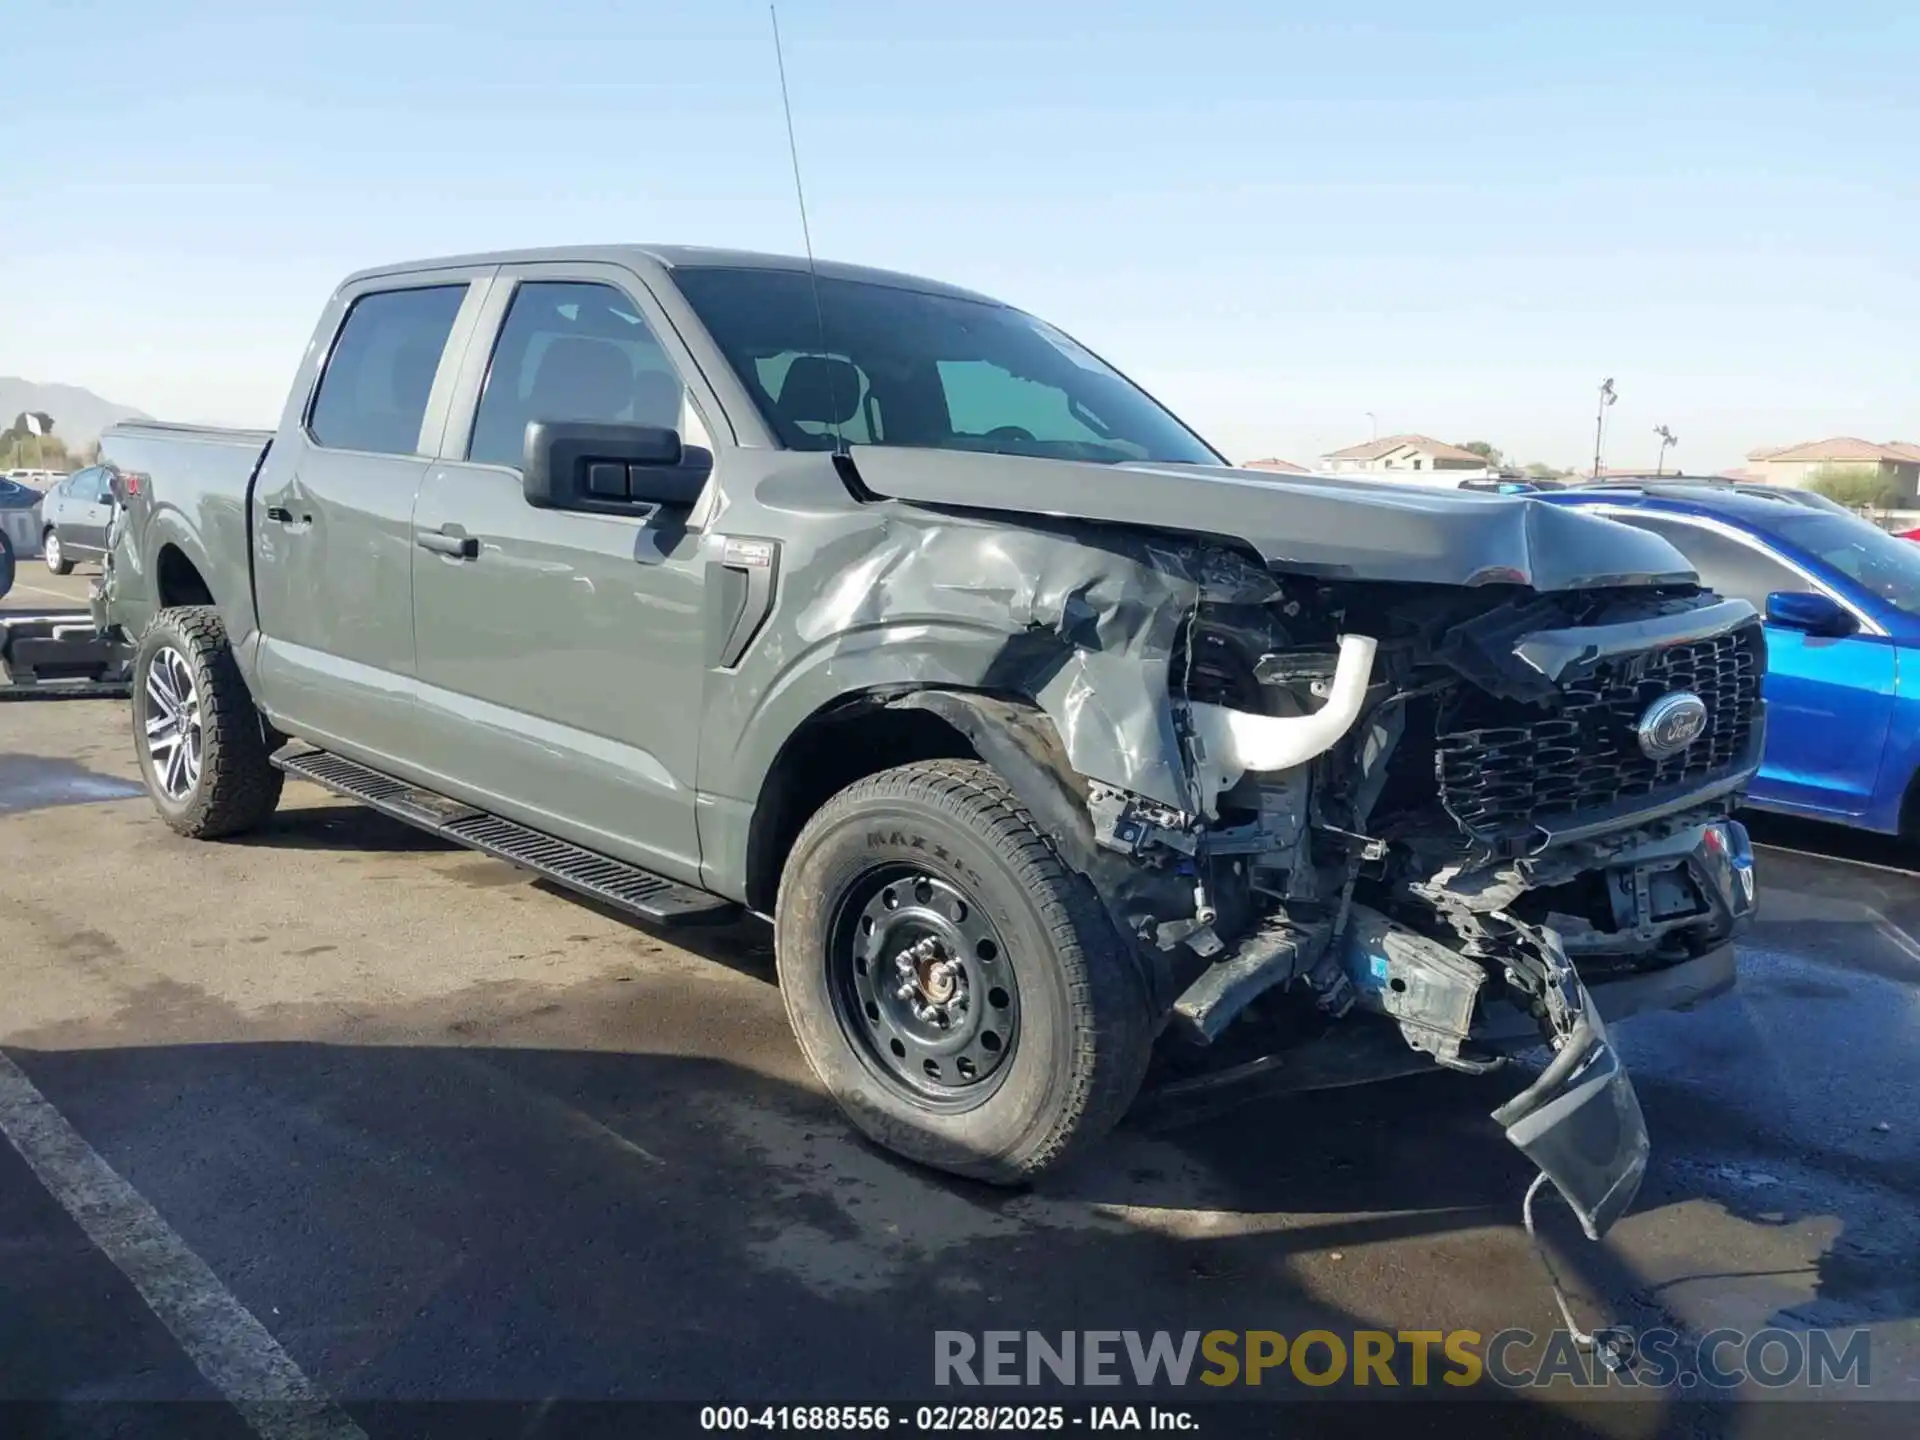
(374, 393)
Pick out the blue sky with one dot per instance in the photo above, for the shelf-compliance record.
(1279, 217)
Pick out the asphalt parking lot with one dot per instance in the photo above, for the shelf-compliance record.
(439, 1131)
(37, 588)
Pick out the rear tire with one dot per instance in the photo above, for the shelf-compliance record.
(54, 553)
(958, 990)
(203, 747)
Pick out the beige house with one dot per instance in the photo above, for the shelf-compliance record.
(1797, 465)
(1283, 467)
(1401, 453)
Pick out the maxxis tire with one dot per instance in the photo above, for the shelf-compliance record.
(57, 561)
(238, 787)
(1086, 1030)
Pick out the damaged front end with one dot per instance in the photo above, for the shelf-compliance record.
(1371, 780)
(1465, 819)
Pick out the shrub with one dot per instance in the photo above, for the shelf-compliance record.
(1858, 487)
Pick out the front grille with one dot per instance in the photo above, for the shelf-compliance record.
(1503, 766)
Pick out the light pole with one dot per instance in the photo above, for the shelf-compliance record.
(1607, 397)
(1667, 438)
(1373, 427)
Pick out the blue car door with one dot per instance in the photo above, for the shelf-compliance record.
(1829, 706)
(1830, 700)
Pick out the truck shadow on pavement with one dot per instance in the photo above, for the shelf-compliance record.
(444, 1222)
(464, 1220)
(340, 826)
(628, 1186)
(1380, 1166)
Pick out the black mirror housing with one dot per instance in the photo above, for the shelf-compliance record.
(1811, 613)
(610, 469)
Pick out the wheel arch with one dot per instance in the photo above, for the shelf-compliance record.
(1908, 818)
(838, 744)
(1016, 737)
(177, 580)
(180, 570)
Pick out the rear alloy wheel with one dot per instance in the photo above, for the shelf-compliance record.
(175, 735)
(202, 745)
(54, 553)
(958, 990)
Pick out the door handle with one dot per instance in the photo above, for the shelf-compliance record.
(460, 547)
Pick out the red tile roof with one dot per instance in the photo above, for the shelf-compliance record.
(1374, 449)
(1285, 467)
(1839, 450)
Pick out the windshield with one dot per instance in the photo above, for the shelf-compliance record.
(1882, 564)
(904, 367)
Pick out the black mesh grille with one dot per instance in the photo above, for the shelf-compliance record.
(1503, 766)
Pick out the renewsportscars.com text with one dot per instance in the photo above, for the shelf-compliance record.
(1514, 1359)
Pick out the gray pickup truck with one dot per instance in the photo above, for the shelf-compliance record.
(1056, 748)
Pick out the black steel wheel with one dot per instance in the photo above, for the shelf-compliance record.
(956, 987)
(923, 985)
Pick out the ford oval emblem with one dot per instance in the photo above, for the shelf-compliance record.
(1670, 724)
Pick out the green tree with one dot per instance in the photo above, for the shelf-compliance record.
(1858, 487)
(21, 448)
(1540, 470)
(34, 452)
(1486, 452)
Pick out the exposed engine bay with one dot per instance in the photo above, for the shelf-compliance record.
(1440, 807)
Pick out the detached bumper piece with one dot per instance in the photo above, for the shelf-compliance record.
(1580, 1122)
(60, 655)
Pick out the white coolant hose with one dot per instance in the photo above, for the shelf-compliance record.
(1233, 742)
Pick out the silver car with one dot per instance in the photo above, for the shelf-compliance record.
(74, 518)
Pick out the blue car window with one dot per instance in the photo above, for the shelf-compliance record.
(1881, 564)
(1725, 566)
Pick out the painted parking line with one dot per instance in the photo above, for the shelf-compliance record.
(226, 1343)
(75, 600)
(1898, 938)
(1837, 859)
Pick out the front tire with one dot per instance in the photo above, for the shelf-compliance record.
(54, 553)
(958, 990)
(202, 744)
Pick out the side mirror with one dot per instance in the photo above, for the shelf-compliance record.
(1812, 613)
(610, 469)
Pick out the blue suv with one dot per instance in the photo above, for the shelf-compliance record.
(1841, 599)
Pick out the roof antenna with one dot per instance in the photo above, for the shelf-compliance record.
(800, 195)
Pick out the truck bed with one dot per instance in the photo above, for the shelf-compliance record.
(190, 481)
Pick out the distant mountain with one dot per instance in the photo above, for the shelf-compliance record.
(78, 415)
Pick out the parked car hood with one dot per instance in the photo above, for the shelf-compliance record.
(1301, 524)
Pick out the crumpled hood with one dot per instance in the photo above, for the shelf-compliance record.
(1302, 524)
